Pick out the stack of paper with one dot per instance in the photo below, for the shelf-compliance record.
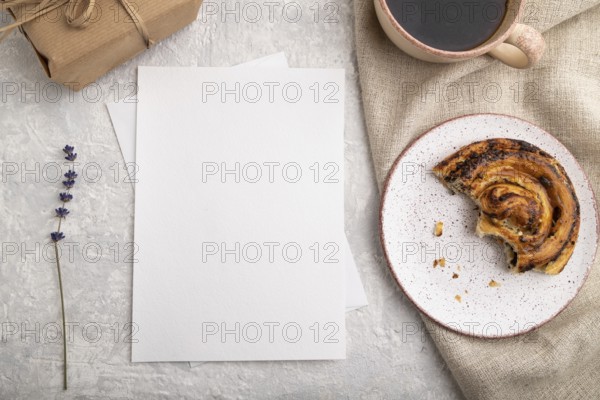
(239, 214)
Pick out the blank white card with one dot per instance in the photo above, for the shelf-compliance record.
(239, 215)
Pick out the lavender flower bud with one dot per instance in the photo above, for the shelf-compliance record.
(61, 212)
(66, 197)
(56, 236)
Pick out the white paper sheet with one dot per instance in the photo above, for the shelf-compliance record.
(123, 117)
(239, 220)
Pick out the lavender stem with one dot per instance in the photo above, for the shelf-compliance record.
(62, 304)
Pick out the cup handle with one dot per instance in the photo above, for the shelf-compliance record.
(523, 48)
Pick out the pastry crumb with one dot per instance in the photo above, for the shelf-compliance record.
(493, 283)
(454, 275)
(458, 298)
(439, 228)
(442, 262)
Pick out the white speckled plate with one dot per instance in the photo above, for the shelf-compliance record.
(459, 295)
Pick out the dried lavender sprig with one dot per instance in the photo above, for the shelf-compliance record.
(61, 213)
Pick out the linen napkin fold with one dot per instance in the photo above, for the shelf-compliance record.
(403, 97)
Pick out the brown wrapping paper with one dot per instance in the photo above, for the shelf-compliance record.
(76, 57)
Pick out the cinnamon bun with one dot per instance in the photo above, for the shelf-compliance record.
(525, 199)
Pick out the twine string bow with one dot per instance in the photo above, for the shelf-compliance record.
(78, 14)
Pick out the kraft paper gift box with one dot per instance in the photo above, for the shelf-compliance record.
(79, 41)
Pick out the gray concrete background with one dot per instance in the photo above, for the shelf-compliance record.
(389, 356)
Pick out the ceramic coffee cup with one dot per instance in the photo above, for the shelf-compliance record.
(515, 44)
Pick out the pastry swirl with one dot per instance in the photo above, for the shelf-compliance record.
(525, 199)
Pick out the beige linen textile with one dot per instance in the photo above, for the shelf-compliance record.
(404, 97)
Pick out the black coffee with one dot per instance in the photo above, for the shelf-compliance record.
(454, 25)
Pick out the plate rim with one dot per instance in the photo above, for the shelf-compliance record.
(384, 194)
